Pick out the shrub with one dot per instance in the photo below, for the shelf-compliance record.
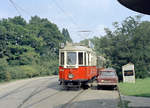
(48, 67)
(26, 71)
(4, 73)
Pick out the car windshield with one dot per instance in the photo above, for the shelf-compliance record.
(108, 74)
(71, 58)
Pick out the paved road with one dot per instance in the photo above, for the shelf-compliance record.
(137, 102)
(46, 93)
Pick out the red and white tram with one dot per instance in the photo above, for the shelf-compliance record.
(77, 65)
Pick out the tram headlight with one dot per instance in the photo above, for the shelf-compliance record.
(70, 76)
(102, 80)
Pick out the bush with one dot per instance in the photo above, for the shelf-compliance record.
(26, 58)
(43, 68)
(16, 72)
(48, 67)
(7, 76)
(4, 73)
(30, 71)
(26, 71)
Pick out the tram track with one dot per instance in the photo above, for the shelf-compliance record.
(66, 105)
(36, 91)
(51, 96)
(15, 90)
(18, 89)
(45, 98)
(48, 93)
(70, 102)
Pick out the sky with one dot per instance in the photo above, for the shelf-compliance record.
(75, 15)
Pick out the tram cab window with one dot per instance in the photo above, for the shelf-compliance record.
(71, 58)
(80, 58)
(62, 58)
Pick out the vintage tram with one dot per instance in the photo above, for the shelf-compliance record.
(77, 65)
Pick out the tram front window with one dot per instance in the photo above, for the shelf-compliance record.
(71, 58)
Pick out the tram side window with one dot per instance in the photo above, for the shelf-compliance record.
(80, 56)
(85, 59)
(89, 59)
(62, 58)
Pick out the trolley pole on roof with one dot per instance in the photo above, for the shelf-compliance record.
(87, 31)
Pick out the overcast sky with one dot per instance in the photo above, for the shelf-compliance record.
(75, 15)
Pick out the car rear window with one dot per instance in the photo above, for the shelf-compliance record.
(108, 74)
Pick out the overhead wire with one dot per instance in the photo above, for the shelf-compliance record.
(14, 5)
(27, 13)
(64, 12)
(17, 7)
(70, 17)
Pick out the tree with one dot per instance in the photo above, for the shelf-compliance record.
(129, 42)
(66, 35)
(29, 46)
(18, 20)
(3, 41)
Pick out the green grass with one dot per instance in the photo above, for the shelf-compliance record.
(140, 88)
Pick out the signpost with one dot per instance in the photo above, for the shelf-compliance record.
(128, 73)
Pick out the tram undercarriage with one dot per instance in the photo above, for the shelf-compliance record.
(85, 84)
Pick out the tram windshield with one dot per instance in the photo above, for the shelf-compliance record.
(71, 58)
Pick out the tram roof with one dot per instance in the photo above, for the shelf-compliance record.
(72, 47)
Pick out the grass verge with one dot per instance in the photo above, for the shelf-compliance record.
(141, 88)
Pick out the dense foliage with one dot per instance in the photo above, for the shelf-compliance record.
(129, 42)
(29, 49)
